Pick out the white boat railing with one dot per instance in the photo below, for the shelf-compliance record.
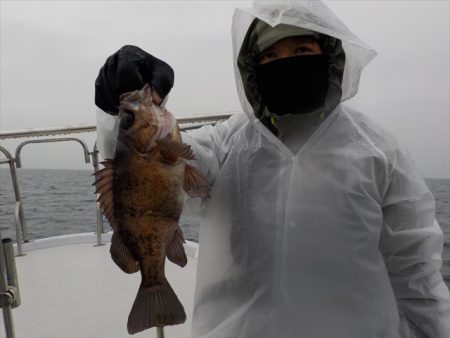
(185, 123)
(21, 227)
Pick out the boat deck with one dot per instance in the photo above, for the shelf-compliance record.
(71, 288)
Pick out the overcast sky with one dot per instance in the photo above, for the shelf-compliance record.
(51, 52)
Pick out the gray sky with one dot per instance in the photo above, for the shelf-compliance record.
(51, 52)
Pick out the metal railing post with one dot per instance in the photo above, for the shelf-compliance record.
(18, 226)
(8, 293)
(11, 271)
(21, 217)
(160, 332)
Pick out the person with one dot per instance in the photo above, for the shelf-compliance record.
(319, 223)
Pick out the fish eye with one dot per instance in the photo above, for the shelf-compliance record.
(127, 119)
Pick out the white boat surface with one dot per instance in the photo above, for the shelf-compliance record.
(69, 287)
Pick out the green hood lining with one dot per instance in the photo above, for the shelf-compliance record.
(259, 36)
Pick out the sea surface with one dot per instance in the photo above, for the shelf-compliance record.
(59, 202)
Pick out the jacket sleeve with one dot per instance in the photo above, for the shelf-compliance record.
(211, 144)
(411, 243)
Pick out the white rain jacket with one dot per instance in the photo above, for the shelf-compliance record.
(335, 240)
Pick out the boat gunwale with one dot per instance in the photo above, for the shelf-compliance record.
(85, 238)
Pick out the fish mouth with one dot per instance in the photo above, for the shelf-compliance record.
(141, 134)
(164, 127)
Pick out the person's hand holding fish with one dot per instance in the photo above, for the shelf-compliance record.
(141, 194)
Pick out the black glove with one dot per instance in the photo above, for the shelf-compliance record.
(128, 69)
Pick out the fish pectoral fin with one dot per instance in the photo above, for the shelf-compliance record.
(172, 150)
(175, 249)
(103, 187)
(122, 256)
(195, 183)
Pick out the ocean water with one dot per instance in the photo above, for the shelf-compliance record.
(58, 202)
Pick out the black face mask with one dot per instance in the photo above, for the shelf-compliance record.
(294, 85)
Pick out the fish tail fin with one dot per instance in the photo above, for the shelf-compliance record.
(155, 306)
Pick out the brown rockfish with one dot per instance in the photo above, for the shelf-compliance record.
(141, 194)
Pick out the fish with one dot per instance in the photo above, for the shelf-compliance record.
(141, 192)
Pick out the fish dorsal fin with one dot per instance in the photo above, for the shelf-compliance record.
(195, 183)
(175, 249)
(121, 255)
(104, 188)
(172, 150)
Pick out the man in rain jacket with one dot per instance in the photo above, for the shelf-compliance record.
(319, 224)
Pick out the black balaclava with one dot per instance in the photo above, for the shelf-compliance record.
(260, 36)
(293, 85)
